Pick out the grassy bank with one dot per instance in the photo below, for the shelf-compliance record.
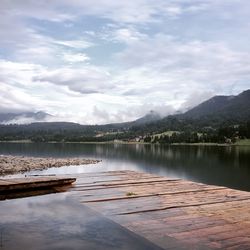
(245, 142)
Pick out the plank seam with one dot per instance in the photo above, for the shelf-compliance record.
(180, 206)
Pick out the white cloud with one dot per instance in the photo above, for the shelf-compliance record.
(195, 98)
(75, 44)
(125, 35)
(34, 9)
(139, 55)
(25, 42)
(17, 73)
(23, 119)
(168, 64)
(129, 113)
(131, 11)
(75, 57)
(135, 11)
(85, 80)
(13, 99)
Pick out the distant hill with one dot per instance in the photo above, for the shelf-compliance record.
(152, 116)
(211, 115)
(52, 126)
(223, 107)
(24, 117)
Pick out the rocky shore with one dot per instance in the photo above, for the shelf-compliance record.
(20, 164)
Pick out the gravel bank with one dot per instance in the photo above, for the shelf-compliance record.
(19, 164)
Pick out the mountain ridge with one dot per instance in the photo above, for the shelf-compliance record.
(214, 120)
(221, 107)
(230, 107)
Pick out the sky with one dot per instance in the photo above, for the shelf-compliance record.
(103, 61)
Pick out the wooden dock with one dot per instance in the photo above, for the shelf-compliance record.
(20, 184)
(170, 212)
(32, 186)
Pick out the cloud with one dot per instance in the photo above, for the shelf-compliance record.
(75, 44)
(85, 80)
(13, 99)
(130, 114)
(25, 118)
(75, 57)
(126, 35)
(104, 61)
(102, 115)
(41, 49)
(195, 98)
(26, 40)
(20, 93)
(169, 64)
(12, 72)
(136, 11)
(34, 9)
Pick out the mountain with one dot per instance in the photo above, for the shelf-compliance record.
(25, 117)
(211, 115)
(152, 116)
(214, 113)
(235, 108)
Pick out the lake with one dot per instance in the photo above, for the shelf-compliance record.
(220, 165)
(56, 221)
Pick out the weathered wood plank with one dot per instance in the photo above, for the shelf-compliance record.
(112, 184)
(169, 201)
(144, 194)
(169, 211)
(21, 184)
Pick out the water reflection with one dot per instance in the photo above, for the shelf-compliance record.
(227, 166)
(58, 222)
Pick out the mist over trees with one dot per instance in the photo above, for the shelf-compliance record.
(184, 131)
(221, 119)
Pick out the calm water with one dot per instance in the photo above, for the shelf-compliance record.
(57, 222)
(226, 166)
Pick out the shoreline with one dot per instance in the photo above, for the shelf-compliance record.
(19, 164)
(137, 143)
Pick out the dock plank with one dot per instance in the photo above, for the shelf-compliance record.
(21, 184)
(170, 212)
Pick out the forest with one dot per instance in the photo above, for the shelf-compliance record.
(183, 131)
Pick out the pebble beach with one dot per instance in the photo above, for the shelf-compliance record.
(19, 164)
